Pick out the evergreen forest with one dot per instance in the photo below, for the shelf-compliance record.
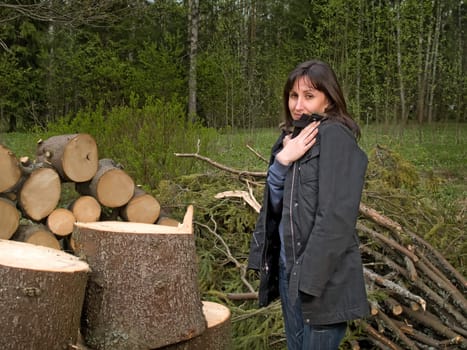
(225, 61)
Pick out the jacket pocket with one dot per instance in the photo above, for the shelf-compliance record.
(308, 166)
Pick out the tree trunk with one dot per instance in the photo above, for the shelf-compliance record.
(42, 292)
(193, 25)
(86, 209)
(142, 208)
(434, 61)
(142, 292)
(36, 234)
(40, 193)
(74, 156)
(11, 171)
(404, 113)
(111, 186)
(217, 335)
(9, 218)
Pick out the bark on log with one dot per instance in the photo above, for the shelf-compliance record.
(61, 221)
(11, 171)
(217, 335)
(393, 305)
(86, 209)
(9, 218)
(36, 234)
(143, 291)
(40, 193)
(429, 320)
(394, 287)
(74, 156)
(111, 186)
(41, 296)
(142, 208)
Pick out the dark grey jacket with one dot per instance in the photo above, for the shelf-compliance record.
(322, 192)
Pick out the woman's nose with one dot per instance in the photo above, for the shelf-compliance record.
(299, 104)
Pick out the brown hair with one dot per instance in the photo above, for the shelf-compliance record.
(322, 78)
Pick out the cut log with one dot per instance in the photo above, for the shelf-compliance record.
(217, 335)
(9, 218)
(41, 296)
(143, 291)
(111, 186)
(74, 156)
(60, 222)
(142, 208)
(36, 234)
(86, 209)
(166, 221)
(11, 171)
(40, 193)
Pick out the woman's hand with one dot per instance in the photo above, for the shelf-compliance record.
(295, 148)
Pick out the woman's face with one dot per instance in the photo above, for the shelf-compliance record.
(304, 98)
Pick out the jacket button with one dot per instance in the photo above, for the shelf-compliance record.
(299, 244)
(295, 205)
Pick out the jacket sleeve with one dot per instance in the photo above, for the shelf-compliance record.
(342, 166)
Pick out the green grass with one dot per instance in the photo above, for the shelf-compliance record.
(436, 150)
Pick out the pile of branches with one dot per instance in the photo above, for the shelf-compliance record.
(417, 296)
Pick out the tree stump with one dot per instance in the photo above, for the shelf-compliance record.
(36, 234)
(111, 186)
(9, 218)
(11, 171)
(142, 208)
(41, 296)
(143, 289)
(217, 335)
(74, 156)
(40, 193)
(86, 209)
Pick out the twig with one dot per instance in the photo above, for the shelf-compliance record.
(399, 334)
(388, 241)
(431, 321)
(247, 197)
(394, 287)
(229, 255)
(242, 296)
(261, 174)
(378, 336)
(440, 301)
(257, 154)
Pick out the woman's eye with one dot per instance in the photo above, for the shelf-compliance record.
(309, 96)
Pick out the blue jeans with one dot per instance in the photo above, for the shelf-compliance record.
(325, 337)
(302, 336)
(293, 320)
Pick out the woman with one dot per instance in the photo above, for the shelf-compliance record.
(305, 242)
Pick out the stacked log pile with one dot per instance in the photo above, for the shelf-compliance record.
(31, 191)
(417, 297)
(421, 303)
(142, 291)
